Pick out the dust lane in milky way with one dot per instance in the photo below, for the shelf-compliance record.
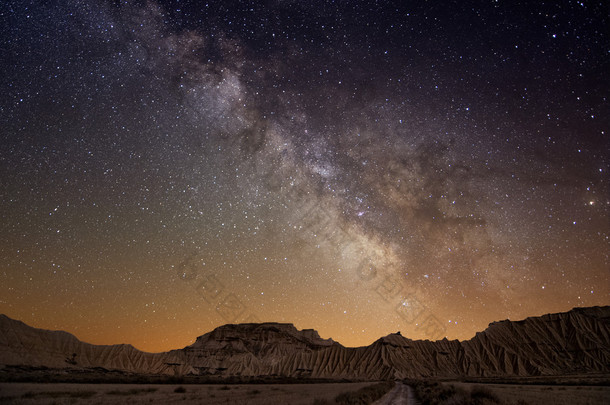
(168, 167)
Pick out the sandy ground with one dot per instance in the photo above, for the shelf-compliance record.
(253, 394)
(511, 394)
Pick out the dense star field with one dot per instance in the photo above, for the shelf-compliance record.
(357, 167)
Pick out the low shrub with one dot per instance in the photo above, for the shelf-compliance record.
(133, 391)
(483, 393)
(433, 393)
(59, 394)
(366, 395)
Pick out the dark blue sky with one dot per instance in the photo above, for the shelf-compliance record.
(355, 167)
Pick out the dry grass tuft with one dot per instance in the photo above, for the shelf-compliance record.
(133, 391)
(366, 395)
(433, 393)
(59, 394)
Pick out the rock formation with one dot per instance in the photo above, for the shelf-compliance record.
(574, 342)
(23, 345)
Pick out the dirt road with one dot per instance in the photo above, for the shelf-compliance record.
(401, 394)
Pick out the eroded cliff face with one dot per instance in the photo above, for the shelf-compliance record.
(571, 342)
(253, 349)
(574, 342)
(21, 344)
(566, 343)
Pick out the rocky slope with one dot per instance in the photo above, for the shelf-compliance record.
(23, 345)
(574, 342)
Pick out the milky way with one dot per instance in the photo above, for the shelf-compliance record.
(357, 168)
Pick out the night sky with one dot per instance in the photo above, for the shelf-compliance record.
(357, 167)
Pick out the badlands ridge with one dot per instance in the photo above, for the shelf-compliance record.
(574, 342)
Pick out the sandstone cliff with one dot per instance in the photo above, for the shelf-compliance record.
(574, 342)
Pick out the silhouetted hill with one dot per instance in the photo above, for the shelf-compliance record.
(574, 342)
